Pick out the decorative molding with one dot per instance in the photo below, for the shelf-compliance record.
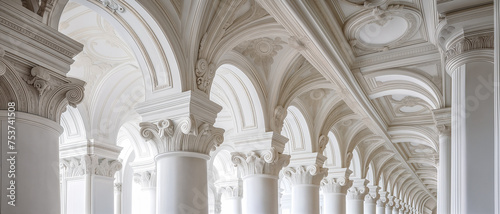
(118, 187)
(268, 162)
(3, 66)
(111, 5)
(205, 73)
(89, 165)
(299, 44)
(40, 80)
(337, 183)
(280, 114)
(261, 50)
(358, 190)
(442, 119)
(373, 194)
(146, 179)
(182, 135)
(380, 16)
(322, 142)
(470, 43)
(312, 174)
(230, 189)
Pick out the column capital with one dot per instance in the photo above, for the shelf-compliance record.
(311, 174)
(373, 194)
(268, 162)
(382, 200)
(442, 120)
(118, 187)
(358, 190)
(147, 179)
(337, 181)
(229, 189)
(390, 201)
(187, 134)
(89, 165)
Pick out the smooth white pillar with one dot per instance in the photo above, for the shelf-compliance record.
(35, 165)
(370, 207)
(388, 209)
(395, 210)
(442, 118)
(334, 203)
(444, 173)
(472, 139)
(231, 205)
(354, 206)
(149, 200)
(118, 198)
(380, 208)
(181, 183)
(305, 199)
(260, 194)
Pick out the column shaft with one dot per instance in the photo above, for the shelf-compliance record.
(380, 209)
(388, 210)
(444, 174)
(370, 207)
(354, 206)
(231, 205)
(31, 176)
(181, 183)
(305, 199)
(334, 203)
(260, 194)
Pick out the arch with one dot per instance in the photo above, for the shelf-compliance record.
(295, 128)
(332, 151)
(355, 165)
(235, 92)
(402, 81)
(73, 126)
(155, 48)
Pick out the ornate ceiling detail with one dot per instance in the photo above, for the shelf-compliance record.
(261, 50)
(381, 29)
(112, 5)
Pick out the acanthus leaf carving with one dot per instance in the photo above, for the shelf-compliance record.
(183, 135)
(268, 162)
(336, 184)
(40, 79)
(312, 174)
(89, 165)
(476, 42)
(146, 179)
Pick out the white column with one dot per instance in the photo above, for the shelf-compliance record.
(259, 170)
(371, 198)
(181, 182)
(88, 184)
(472, 124)
(305, 182)
(118, 198)
(231, 192)
(334, 189)
(30, 174)
(180, 129)
(381, 202)
(442, 119)
(355, 196)
(147, 180)
(397, 205)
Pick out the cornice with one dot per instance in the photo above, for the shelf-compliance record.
(36, 41)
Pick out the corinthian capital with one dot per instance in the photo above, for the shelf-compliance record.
(358, 190)
(311, 174)
(89, 165)
(182, 135)
(146, 179)
(229, 189)
(337, 181)
(268, 162)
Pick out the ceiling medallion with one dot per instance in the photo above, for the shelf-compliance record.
(379, 29)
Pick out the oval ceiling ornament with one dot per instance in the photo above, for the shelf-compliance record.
(382, 29)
